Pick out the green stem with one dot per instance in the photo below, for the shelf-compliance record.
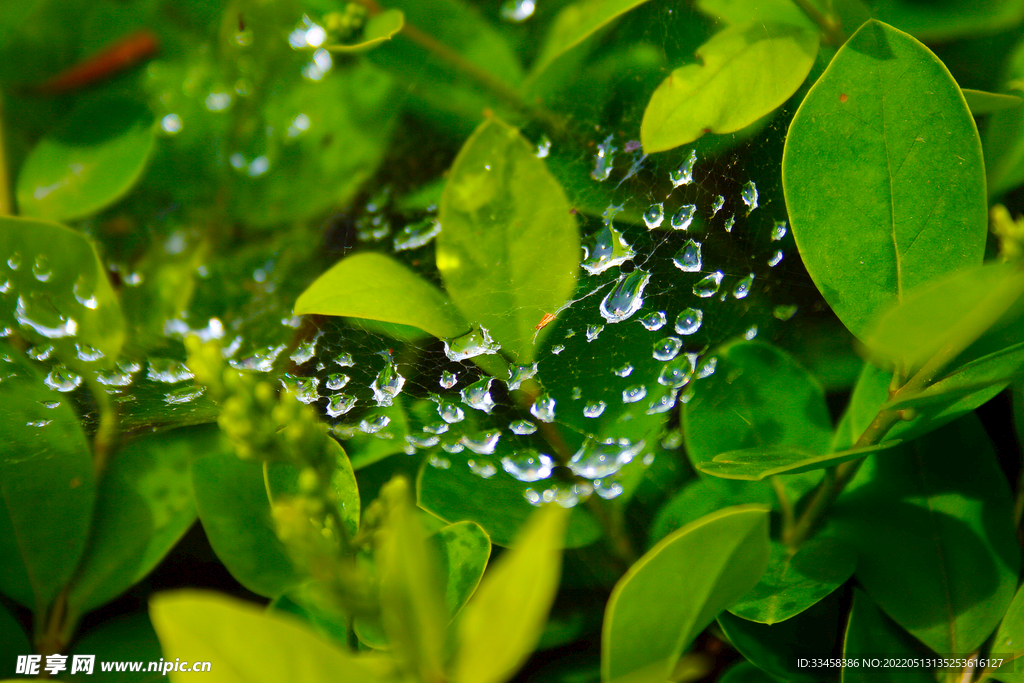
(831, 29)
(6, 200)
(106, 430)
(788, 518)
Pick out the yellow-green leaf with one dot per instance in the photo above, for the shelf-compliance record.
(379, 27)
(981, 102)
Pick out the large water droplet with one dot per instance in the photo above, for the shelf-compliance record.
(388, 382)
(742, 288)
(684, 217)
(41, 268)
(634, 393)
(654, 320)
(626, 296)
(450, 412)
(304, 388)
(517, 11)
(520, 374)
(14, 262)
(543, 408)
(688, 259)
(476, 343)
(339, 404)
(667, 348)
(483, 443)
(416, 235)
(523, 427)
(708, 286)
(337, 381)
(528, 465)
(167, 371)
(478, 395)
(624, 370)
(603, 159)
(595, 409)
(684, 174)
(599, 459)
(448, 379)
(776, 258)
(689, 321)
(605, 249)
(63, 380)
(748, 193)
(654, 216)
(59, 328)
(677, 372)
(373, 423)
(593, 331)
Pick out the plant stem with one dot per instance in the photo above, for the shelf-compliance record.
(6, 200)
(788, 518)
(833, 32)
(106, 430)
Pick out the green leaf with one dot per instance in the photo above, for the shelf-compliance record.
(283, 480)
(678, 587)
(935, 538)
(758, 397)
(90, 161)
(1004, 133)
(122, 639)
(981, 102)
(463, 549)
(13, 642)
(232, 502)
(745, 72)
(576, 23)
(501, 625)
(58, 279)
(961, 306)
(777, 648)
(745, 672)
(498, 504)
(374, 286)
(144, 506)
(703, 496)
(949, 20)
(757, 463)
(204, 626)
(870, 633)
(47, 487)
(795, 581)
(883, 175)
(1009, 640)
(769, 11)
(509, 247)
(379, 27)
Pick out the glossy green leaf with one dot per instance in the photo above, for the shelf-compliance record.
(678, 587)
(376, 287)
(501, 625)
(776, 648)
(758, 463)
(1004, 133)
(981, 102)
(883, 133)
(576, 23)
(935, 539)
(128, 638)
(204, 626)
(463, 549)
(59, 293)
(758, 397)
(744, 72)
(13, 642)
(90, 161)
(144, 506)
(770, 11)
(509, 247)
(794, 582)
(870, 633)
(47, 487)
(379, 27)
(231, 499)
(956, 308)
(498, 504)
(283, 480)
(705, 495)
(1009, 640)
(948, 20)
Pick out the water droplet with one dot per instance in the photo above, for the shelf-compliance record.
(520, 374)
(600, 459)
(422, 440)
(220, 100)
(476, 343)
(624, 370)
(708, 286)
(604, 250)
(63, 380)
(595, 409)
(776, 258)
(689, 321)
(339, 404)
(678, 372)
(593, 331)
(167, 371)
(483, 443)
(304, 388)
(729, 223)
(684, 217)
(87, 300)
(436, 428)
(121, 376)
(14, 262)
(478, 395)
(41, 268)
(40, 353)
(450, 412)
(782, 312)
(750, 333)
(337, 381)
(38, 423)
(577, 392)
(50, 405)
(373, 424)
(416, 235)
(543, 147)
(345, 360)
(654, 216)
(603, 159)
(688, 259)
(517, 11)
(543, 408)
(440, 463)
(484, 469)
(182, 395)
(608, 490)
(667, 348)
(717, 205)
(448, 379)
(523, 427)
(634, 393)
(305, 351)
(171, 124)
(663, 402)
(528, 465)
(748, 193)
(388, 382)
(707, 368)
(779, 230)
(261, 361)
(63, 327)
(626, 296)
(684, 174)
(742, 288)
(88, 353)
(555, 350)
(654, 320)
